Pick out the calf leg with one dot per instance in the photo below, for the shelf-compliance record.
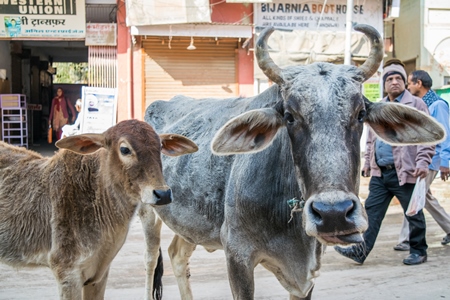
(180, 251)
(95, 291)
(69, 284)
(151, 225)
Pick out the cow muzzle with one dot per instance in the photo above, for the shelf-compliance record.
(157, 197)
(335, 218)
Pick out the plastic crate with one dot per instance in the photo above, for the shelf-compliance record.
(12, 101)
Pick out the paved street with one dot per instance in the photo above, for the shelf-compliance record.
(383, 275)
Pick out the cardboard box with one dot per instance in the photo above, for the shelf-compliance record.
(5, 86)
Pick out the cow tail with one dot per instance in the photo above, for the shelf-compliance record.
(157, 278)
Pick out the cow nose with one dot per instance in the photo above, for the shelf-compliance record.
(333, 217)
(162, 197)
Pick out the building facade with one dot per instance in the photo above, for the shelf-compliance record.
(36, 34)
(204, 51)
(198, 48)
(419, 35)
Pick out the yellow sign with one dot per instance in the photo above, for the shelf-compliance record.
(372, 91)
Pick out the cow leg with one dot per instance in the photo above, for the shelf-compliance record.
(179, 252)
(240, 274)
(309, 297)
(95, 291)
(151, 225)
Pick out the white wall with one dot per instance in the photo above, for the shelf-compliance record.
(422, 33)
(5, 58)
(435, 57)
(407, 30)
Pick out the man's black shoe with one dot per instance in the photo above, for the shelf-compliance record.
(351, 253)
(415, 259)
(446, 239)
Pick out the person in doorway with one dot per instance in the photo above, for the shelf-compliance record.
(59, 113)
(74, 129)
(394, 170)
(419, 84)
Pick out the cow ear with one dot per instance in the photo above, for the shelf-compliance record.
(82, 144)
(399, 124)
(176, 145)
(249, 132)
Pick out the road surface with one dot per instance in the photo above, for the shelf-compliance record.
(383, 275)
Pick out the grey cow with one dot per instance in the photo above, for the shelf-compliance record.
(301, 138)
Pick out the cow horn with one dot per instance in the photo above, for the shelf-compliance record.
(372, 63)
(266, 63)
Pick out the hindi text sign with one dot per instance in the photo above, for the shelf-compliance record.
(101, 34)
(39, 18)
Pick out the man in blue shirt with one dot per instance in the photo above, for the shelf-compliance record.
(419, 84)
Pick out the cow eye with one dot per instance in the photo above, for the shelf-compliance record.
(289, 118)
(125, 151)
(362, 115)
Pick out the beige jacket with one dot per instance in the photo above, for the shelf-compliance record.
(406, 158)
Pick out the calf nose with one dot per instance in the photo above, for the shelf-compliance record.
(334, 217)
(162, 197)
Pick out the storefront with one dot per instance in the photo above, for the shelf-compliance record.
(36, 34)
(207, 69)
(316, 32)
(197, 57)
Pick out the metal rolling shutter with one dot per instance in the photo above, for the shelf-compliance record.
(208, 71)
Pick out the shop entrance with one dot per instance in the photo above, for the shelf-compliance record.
(32, 74)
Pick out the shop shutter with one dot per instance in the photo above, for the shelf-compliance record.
(102, 61)
(207, 71)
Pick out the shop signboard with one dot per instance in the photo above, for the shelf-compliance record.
(145, 12)
(372, 88)
(42, 19)
(99, 109)
(248, 1)
(36, 107)
(317, 15)
(101, 34)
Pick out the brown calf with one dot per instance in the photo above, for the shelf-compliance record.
(71, 212)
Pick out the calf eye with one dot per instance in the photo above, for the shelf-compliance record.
(125, 151)
(362, 115)
(289, 118)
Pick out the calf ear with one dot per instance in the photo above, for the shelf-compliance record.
(176, 145)
(82, 144)
(399, 124)
(249, 132)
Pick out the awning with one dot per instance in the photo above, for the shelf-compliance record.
(204, 30)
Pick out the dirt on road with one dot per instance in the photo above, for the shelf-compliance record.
(383, 275)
